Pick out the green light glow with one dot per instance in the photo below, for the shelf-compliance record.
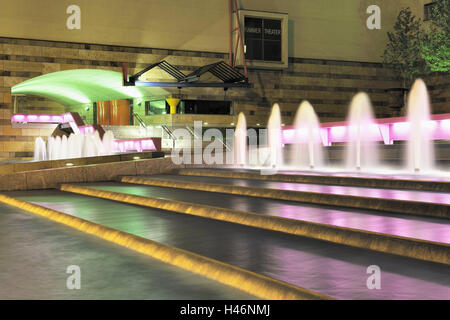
(82, 86)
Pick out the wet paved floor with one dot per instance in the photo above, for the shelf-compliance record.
(409, 195)
(331, 269)
(35, 253)
(431, 229)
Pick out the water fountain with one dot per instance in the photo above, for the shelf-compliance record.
(360, 134)
(307, 149)
(108, 142)
(74, 146)
(98, 144)
(40, 152)
(420, 147)
(72, 151)
(274, 140)
(79, 142)
(57, 148)
(50, 148)
(89, 148)
(240, 141)
(64, 152)
(362, 153)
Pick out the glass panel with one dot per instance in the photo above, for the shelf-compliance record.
(272, 29)
(253, 28)
(263, 39)
(254, 50)
(253, 38)
(272, 50)
(155, 107)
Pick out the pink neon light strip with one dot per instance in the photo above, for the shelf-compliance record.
(42, 118)
(121, 145)
(387, 130)
(139, 145)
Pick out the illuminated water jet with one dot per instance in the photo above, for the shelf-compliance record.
(307, 149)
(420, 148)
(240, 141)
(74, 146)
(362, 153)
(274, 140)
(40, 151)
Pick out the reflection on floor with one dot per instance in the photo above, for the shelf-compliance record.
(332, 269)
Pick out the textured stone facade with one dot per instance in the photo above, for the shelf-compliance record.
(327, 84)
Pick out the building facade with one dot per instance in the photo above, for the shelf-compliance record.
(322, 51)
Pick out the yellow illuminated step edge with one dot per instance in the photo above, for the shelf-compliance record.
(247, 281)
(402, 246)
(359, 202)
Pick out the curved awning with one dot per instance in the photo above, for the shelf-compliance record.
(82, 86)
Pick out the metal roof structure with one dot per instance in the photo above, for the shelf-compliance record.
(229, 76)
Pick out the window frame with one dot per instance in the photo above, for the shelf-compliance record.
(262, 64)
(427, 8)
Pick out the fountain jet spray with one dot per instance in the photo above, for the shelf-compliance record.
(240, 141)
(40, 152)
(420, 148)
(74, 146)
(362, 150)
(274, 137)
(307, 148)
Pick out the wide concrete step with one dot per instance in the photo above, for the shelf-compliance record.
(355, 180)
(379, 193)
(33, 242)
(406, 207)
(250, 282)
(429, 229)
(409, 247)
(298, 261)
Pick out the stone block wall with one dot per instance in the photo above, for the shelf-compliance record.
(327, 84)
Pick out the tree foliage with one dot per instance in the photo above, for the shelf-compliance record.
(435, 45)
(403, 51)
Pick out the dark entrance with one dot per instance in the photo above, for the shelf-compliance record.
(205, 107)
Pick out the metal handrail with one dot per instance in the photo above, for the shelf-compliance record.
(195, 135)
(141, 122)
(167, 130)
(192, 131)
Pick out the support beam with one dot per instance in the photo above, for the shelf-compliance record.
(194, 84)
(232, 52)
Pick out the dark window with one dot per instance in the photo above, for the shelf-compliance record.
(428, 9)
(263, 39)
(207, 107)
(252, 113)
(253, 39)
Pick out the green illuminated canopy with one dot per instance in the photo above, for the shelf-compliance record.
(82, 86)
